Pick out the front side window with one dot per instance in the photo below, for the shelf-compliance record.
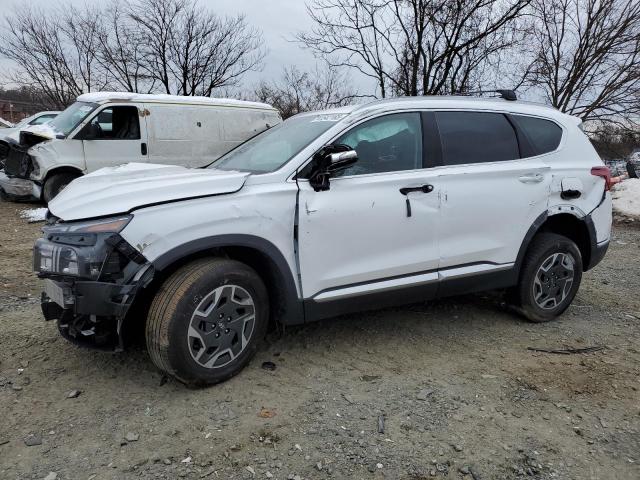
(476, 137)
(543, 135)
(116, 123)
(385, 144)
(68, 120)
(272, 148)
(42, 119)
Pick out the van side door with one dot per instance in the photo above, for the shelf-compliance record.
(115, 135)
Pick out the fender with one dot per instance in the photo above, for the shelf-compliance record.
(292, 312)
(590, 260)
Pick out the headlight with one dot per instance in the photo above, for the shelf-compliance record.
(78, 248)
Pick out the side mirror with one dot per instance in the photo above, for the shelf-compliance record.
(328, 161)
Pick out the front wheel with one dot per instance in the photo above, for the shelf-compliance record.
(206, 321)
(550, 277)
(55, 184)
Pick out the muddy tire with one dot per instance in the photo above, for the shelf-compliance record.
(55, 184)
(549, 279)
(206, 321)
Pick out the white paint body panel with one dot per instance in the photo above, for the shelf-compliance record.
(121, 189)
(359, 231)
(486, 210)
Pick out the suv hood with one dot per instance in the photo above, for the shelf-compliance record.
(116, 190)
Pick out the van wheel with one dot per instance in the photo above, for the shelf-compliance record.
(55, 184)
(206, 321)
(550, 277)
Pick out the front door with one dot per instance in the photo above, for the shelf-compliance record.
(118, 136)
(364, 235)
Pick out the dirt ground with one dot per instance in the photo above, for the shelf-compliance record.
(453, 381)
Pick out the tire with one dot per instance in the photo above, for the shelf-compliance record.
(549, 279)
(55, 184)
(186, 337)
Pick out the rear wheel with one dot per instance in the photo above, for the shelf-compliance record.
(549, 279)
(55, 184)
(206, 321)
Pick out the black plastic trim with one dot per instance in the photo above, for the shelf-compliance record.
(293, 313)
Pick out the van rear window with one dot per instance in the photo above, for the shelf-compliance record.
(543, 135)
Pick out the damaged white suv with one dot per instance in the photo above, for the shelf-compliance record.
(396, 201)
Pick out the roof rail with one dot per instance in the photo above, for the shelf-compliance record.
(509, 95)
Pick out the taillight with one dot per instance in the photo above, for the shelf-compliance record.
(605, 173)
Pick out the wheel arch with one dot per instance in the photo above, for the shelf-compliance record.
(260, 254)
(62, 169)
(580, 230)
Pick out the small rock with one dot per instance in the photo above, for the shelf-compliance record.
(319, 466)
(464, 470)
(457, 448)
(131, 437)
(186, 460)
(424, 394)
(268, 475)
(379, 465)
(166, 461)
(268, 366)
(250, 470)
(74, 394)
(51, 476)
(33, 440)
(17, 388)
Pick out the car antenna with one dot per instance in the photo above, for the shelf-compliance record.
(509, 95)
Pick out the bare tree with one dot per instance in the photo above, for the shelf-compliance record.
(121, 53)
(38, 44)
(415, 47)
(587, 57)
(298, 91)
(173, 45)
(192, 51)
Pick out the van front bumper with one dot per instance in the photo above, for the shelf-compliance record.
(20, 188)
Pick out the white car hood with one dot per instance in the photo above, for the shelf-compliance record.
(116, 190)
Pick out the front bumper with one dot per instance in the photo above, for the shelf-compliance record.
(20, 188)
(90, 284)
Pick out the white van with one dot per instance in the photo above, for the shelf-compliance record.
(110, 128)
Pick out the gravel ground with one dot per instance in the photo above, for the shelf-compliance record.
(446, 389)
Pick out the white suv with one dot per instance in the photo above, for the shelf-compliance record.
(329, 212)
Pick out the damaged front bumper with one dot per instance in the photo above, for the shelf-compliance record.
(90, 282)
(20, 188)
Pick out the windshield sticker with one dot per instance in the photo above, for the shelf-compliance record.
(85, 108)
(329, 117)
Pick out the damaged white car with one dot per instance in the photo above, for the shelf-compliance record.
(113, 128)
(396, 201)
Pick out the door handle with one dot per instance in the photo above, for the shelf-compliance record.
(531, 178)
(143, 148)
(407, 190)
(422, 188)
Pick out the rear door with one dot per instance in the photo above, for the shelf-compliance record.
(490, 194)
(120, 137)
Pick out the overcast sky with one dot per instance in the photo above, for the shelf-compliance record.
(279, 21)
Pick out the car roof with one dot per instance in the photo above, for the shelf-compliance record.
(105, 97)
(445, 102)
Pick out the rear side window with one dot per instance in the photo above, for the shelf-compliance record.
(543, 135)
(476, 137)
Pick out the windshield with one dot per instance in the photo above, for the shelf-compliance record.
(273, 148)
(65, 122)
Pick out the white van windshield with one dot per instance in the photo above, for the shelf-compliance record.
(68, 120)
(271, 149)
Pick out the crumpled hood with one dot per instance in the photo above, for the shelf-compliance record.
(116, 190)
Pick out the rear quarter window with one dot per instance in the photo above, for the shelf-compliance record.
(543, 135)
